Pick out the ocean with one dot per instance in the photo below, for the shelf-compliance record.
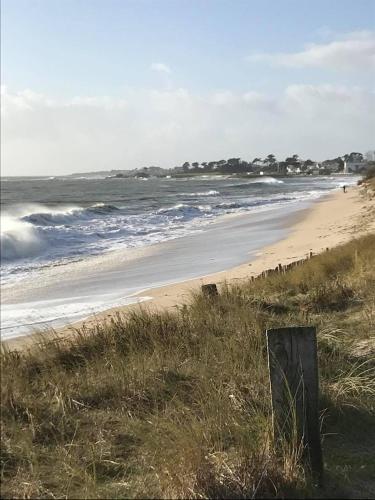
(53, 224)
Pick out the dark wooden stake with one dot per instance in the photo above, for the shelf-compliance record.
(293, 367)
(210, 290)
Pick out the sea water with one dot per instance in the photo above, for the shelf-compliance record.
(48, 224)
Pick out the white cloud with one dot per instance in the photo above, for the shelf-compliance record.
(352, 52)
(161, 68)
(44, 135)
(224, 98)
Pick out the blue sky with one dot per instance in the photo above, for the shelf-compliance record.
(128, 52)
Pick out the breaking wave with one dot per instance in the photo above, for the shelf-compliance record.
(183, 210)
(267, 180)
(56, 217)
(257, 181)
(212, 192)
(19, 239)
(31, 230)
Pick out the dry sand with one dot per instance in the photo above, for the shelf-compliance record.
(333, 220)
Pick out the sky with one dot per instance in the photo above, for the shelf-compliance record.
(90, 85)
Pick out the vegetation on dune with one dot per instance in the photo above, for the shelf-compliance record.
(177, 404)
(368, 185)
(370, 174)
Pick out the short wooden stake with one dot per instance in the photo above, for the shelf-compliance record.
(210, 290)
(293, 367)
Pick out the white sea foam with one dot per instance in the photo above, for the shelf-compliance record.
(16, 321)
(256, 181)
(19, 239)
(211, 192)
(266, 180)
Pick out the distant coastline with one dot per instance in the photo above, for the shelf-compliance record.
(354, 162)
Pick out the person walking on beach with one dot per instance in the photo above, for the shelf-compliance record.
(344, 188)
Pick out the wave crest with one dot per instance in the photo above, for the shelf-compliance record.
(19, 239)
(58, 217)
(184, 211)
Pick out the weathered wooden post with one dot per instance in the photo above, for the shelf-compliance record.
(210, 290)
(293, 367)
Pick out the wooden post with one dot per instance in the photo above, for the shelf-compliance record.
(310, 255)
(280, 268)
(293, 367)
(210, 290)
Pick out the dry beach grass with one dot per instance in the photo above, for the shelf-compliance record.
(176, 403)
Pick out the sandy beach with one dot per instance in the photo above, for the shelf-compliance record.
(333, 220)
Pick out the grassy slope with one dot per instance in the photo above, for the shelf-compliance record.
(177, 405)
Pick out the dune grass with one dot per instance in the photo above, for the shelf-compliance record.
(176, 405)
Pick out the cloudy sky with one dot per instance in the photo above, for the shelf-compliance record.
(99, 84)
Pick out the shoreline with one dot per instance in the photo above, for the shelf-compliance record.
(330, 221)
(63, 295)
